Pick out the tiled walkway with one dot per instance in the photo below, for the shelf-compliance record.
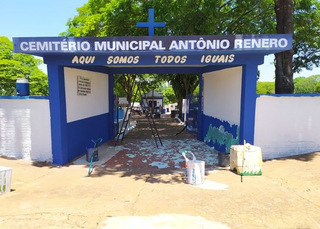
(139, 148)
(144, 153)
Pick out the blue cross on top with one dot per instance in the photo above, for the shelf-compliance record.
(151, 24)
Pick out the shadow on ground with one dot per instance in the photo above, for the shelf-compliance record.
(301, 157)
(165, 176)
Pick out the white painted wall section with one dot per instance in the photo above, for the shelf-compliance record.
(287, 125)
(222, 94)
(79, 107)
(25, 130)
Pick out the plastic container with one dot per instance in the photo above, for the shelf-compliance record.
(224, 159)
(120, 113)
(22, 87)
(5, 179)
(195, 169)
(195, 172)
(246, 160)
(89, 153)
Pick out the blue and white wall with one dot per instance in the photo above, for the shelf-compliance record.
(221, 107)
(287, 125)
(156, 98)
(25, 130)
(88, 117)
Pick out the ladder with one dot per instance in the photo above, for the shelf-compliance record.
(148, 114)
(126, 119)
(151, 121)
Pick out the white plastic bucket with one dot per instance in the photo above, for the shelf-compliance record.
(195, 172)
(5, 179)
(195, 169)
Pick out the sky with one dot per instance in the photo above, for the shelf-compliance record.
(44, 18)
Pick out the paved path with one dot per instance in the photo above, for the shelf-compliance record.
(286, 196)
(125, 194)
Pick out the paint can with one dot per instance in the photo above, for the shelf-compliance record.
(22, 87)
(5, 179)
(196, 171)
(90, 152)
(223, 159)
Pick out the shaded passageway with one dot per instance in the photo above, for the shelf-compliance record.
(139, 149)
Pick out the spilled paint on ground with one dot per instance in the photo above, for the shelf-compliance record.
(212, 185)
(144, 153)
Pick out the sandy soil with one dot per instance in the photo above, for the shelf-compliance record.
(286, 196)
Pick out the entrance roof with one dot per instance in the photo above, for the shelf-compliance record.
(158, 51)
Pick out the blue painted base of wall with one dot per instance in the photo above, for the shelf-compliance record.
(81, 132)
(220, 134)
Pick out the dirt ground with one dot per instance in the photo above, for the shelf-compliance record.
(286, 196)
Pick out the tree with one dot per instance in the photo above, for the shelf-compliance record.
(303, 85)
(183, 85)
(284, 71)
(17, 65)
(201, 17)
(168, 95)
(119, 17)
(302, 19)
(317, 88)
(265, 88)
(306, 43)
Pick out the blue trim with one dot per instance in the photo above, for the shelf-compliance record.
(290, 95)
(200, 111)
(248, 103)
(23, 97)
(81, 132)
(57, 98)
(111, 106)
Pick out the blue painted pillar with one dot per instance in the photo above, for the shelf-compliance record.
(200, 109)
(58, 114)
(110, 133)
(248, 103)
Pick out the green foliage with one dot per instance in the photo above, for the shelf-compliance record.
(306, 42)
(168, 95)
(221, 137)
(126, 85)
(17, 65)
(265, 88)
(119, 18)
(201, 17)
(317, 88)
(303, 85)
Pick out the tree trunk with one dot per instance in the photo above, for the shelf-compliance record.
(284, 73)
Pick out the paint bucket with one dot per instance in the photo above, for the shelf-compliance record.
(195, 169)
(22, 87)
(5, 179)
(224, 159)
(89, 153)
